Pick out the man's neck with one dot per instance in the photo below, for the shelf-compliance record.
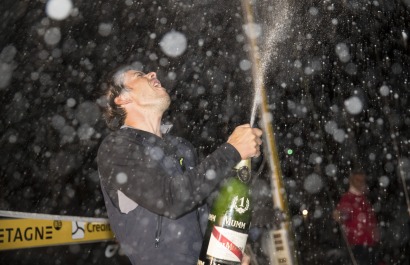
(355, 191)
(148, 123)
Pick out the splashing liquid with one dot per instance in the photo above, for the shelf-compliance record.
(276, 22)
(281, 245)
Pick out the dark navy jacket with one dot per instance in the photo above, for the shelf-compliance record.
(153, 189)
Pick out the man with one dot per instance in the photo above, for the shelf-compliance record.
(355, 213)
(153, 186)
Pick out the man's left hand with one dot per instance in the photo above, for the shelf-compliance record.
(246, 260)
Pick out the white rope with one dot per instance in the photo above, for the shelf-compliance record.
(24, 215)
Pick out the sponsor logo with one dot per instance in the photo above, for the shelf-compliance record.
(228, 244)
(77, 230)
(234, 223)
(241, 205)
(92, 227)
(57, 224)
(244, 174)
(30, 233)
(24, 233)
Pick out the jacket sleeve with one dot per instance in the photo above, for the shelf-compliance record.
(138, 173)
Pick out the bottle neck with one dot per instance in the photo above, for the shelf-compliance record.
(243, 170)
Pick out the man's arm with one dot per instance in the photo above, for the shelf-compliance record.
(342, 213)
(124, 166)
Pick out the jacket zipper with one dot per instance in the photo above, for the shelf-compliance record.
(158, 231)
(199, 222)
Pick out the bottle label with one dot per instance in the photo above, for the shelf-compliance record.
(227, 244)
(241, 205)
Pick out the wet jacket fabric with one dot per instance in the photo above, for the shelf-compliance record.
(359, 220)
(153, 189)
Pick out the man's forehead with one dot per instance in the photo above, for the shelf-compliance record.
(133, 71)
(359, 176)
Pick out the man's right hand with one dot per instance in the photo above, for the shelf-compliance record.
(246, 140)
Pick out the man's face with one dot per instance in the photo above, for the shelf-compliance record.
(146, 90)
(358, 181)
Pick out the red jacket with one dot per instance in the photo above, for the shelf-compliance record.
(358, 219)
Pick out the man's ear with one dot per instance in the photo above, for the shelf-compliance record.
(122, 99)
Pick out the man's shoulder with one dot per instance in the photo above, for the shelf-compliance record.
(347, 194)
(113, 138)
(179, 142)
(347, 197)
(122, 135)
(119, 140)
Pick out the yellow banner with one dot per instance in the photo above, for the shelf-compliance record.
(28, 233)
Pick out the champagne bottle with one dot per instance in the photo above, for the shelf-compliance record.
(229, 220)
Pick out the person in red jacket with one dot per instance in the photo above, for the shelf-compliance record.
(359, 222)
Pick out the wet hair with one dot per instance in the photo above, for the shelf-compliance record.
(114, 114)
(357, 171)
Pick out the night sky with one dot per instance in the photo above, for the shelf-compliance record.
(337, 77)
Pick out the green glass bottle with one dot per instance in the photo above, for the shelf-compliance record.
(229, 220)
